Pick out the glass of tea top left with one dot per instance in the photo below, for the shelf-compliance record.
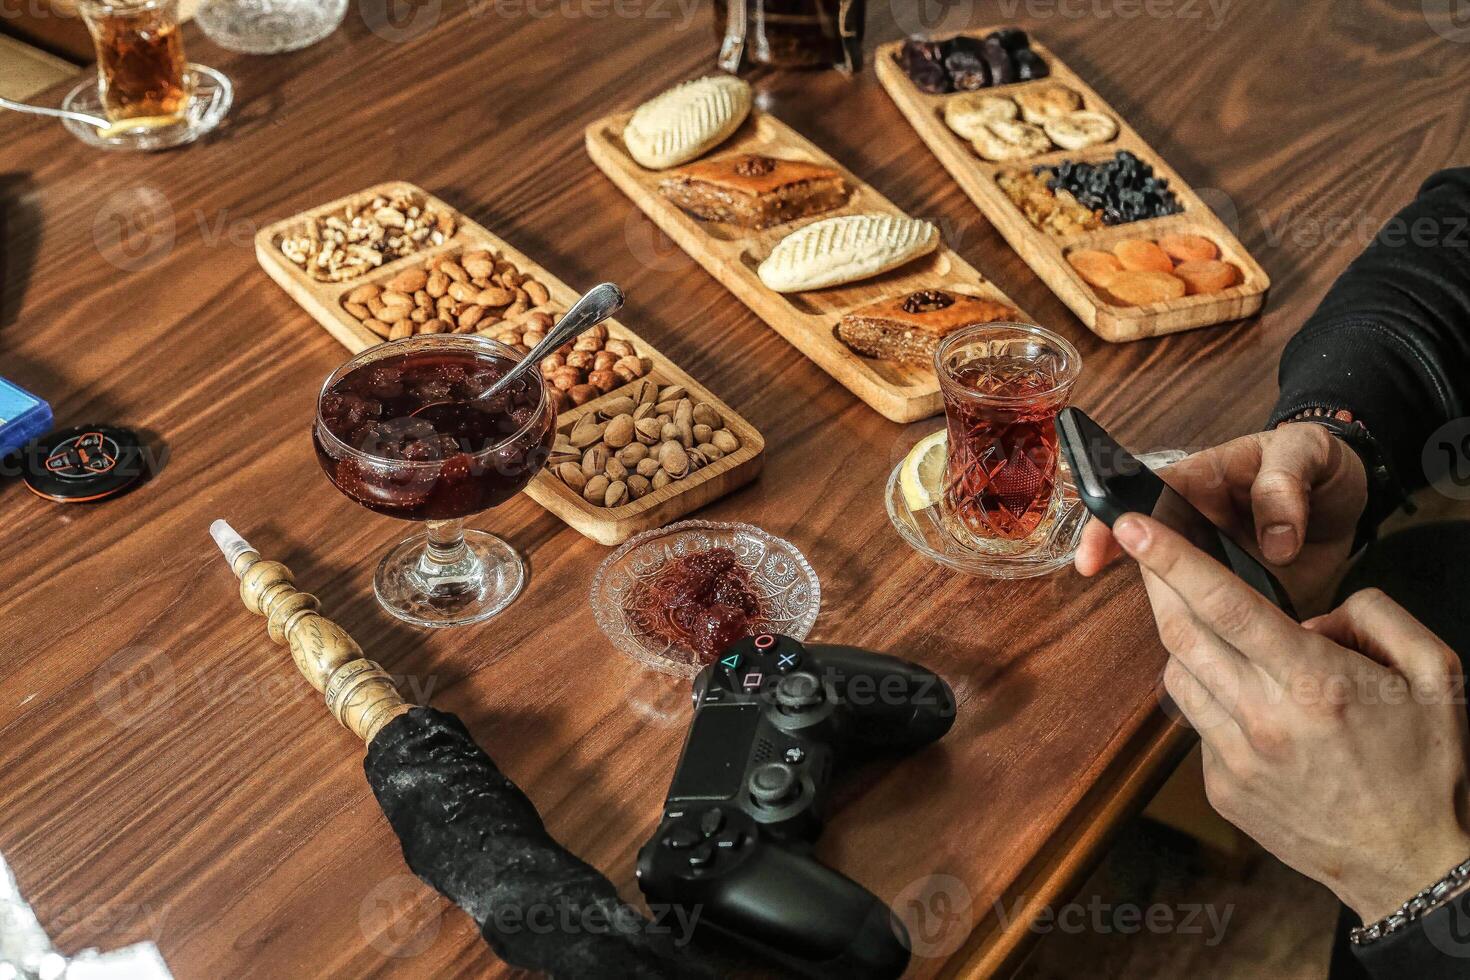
(146, 89)
(459, 458)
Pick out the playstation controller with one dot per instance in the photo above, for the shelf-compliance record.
(774, 720)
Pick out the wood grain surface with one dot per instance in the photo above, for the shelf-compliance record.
(808, 319)
(168, 776)
(1046, 253)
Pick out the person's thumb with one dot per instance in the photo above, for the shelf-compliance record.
(1296, 457)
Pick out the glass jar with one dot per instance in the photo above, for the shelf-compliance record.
(269, 26)
(790, 33)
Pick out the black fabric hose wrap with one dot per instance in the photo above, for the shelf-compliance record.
(473, 836)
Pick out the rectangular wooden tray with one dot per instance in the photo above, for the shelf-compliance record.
(607, 525)
(808, 320)
(1046, 253)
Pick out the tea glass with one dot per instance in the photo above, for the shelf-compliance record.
(1003, 385)
(143, 81)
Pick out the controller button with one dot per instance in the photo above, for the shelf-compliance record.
(774, 783)
(681, 837)
(795, 755)
(787, 661)
(799, 692)
(701, 857)
(711, 820)
(765, 641)
(729, 839)
(730, 661)
(752, 681)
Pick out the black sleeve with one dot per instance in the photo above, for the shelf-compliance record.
(1391, 341)
(1437, 947)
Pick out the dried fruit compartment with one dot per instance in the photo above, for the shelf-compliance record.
(1045, 252)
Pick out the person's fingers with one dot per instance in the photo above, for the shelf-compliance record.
(1296, 459)
(1372, 624)
(1223, 603)
(1193, 701)
(1216, 481)
(1096, 549)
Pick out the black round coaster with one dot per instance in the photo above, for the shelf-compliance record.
(87, 462)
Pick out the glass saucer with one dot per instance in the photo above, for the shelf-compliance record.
(213, 95)
(790, 593)
(1052, 546)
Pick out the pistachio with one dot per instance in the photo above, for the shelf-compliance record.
(709, 451)
(725, 440)
(648, 431)
(705, 414)
(616, 470)
(673, 459)
(638, 486)
(622, 405)
(617, 494)
(648, 467)
(632, 454)
(596, 489)
(587, 431)
(660, 480)
(619, 432)
(701, 432)
(594, 460)
(571, 474)
(672, 393)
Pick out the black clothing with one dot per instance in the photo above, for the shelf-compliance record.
(1391, 344)
(1391, 341)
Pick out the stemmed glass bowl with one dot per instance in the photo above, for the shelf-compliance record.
(457, 459)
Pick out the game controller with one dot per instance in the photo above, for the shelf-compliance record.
(773, 720)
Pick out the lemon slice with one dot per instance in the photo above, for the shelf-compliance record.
(922, 477)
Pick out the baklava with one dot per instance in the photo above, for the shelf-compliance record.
(754, 191)
(908, 328)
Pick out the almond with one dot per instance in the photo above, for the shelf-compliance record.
(392, 297)
(470, 316)
(357, 310)
(409, 281)
(437, 284)
(494, 296)
(454, 270)
(479, 266)
(537, 292)
(363, 293)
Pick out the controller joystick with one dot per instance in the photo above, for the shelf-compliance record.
(773, 720)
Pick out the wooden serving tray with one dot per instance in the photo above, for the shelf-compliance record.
(808, 320)
(1046, 253)
(606, 525)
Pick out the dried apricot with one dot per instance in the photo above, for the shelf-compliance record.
(1139, 255)
(1207, 277)
(1189, 248)
(1097, 268)
(1140, 287)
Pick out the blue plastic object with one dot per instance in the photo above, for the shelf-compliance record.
(23, 417)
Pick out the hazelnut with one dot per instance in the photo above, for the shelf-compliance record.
(551, 362)
(582, 394)
(565, 378)
(579, 359)
(603, 380)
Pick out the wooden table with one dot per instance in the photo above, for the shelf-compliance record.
(166, 774)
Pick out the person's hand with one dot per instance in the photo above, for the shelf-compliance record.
(1339, 744)
(1297, 492)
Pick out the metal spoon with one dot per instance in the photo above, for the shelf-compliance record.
(600, 302)
(37, 110)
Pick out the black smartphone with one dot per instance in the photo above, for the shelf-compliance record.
(1112, 482)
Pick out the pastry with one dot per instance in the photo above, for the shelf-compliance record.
(970, 113)
(1047, 102)
(1081, 129)
(1011, 139)
(845, 249)
(1096, 267)
(908, 328)
(1208, 276)
(1189, 248)
(754, 191)
(686, 121)
(1143, 254)
(1142, 287)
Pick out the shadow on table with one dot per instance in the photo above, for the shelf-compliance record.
(19, 217)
